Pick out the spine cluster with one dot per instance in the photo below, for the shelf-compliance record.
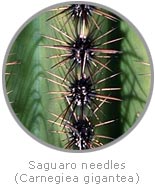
(82, 55)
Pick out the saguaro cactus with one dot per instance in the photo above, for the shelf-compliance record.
(83, 77)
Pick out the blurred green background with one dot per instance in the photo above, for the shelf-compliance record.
(29, 87)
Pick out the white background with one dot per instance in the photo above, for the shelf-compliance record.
(17, 148)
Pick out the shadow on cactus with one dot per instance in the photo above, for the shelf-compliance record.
(78, 77)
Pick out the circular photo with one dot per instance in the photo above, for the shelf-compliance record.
(78, 77)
